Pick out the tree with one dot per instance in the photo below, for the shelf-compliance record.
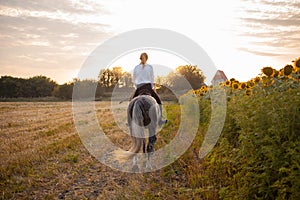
(64, 91)
(9, 87)
(85, 88)
(115, 77)
(107, 78)
(41, 86)
(191, 73)
(37, 86)
(126, 80)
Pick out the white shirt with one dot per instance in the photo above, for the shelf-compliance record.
(143, 75)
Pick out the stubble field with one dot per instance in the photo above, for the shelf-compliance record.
(43, 157)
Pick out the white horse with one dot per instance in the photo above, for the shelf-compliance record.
(143, 112)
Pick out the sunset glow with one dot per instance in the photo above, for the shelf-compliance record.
(53, 38)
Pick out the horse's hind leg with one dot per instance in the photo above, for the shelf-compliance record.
(150, 145)
(135, 167)
(135, 160)
(151, 142)
(144, 145)
(150, 149)
(152, 138)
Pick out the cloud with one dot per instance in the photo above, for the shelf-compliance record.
(259, 52)
(48, 39)
(278, 3)
(275, 22)
(287, 39)
(65, 6)
(270, 26)
(56, 31)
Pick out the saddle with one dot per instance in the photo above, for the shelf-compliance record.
(143, 91)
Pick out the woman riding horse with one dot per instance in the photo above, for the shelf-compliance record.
(144, 111)
(143, 80)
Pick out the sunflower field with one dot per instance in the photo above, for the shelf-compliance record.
(258, 153)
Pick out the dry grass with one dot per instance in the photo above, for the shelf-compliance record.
(42, 157)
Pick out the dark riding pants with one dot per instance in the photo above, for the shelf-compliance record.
(147, 87)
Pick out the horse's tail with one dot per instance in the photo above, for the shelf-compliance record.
(137, 122)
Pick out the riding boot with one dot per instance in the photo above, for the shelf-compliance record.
(161, 121)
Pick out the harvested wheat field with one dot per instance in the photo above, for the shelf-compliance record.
(256, 156)
(42, 156)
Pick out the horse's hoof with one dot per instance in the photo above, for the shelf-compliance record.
(135, 168)
(148, 166)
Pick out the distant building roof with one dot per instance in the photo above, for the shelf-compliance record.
(219, 77)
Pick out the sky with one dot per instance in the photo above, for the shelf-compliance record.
(54, 38)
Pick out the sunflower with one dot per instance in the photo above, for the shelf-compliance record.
(199, 92)
(257, 79)
(281, 72)
(242, 86)
(268, 71)
(196, 92)
(203, 88)
(248, 92)
(275, 73)
(203, 91)
(250, 83)
(235, 85)
(297, 63)
(227, 83)
(287, 70)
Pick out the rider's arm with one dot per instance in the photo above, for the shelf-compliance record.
(134, 77)
(152, 78)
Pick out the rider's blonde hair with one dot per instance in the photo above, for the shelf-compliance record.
(144, 54)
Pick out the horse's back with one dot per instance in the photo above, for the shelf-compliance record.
(144, 104)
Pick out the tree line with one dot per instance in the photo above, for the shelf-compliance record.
(108, 79)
